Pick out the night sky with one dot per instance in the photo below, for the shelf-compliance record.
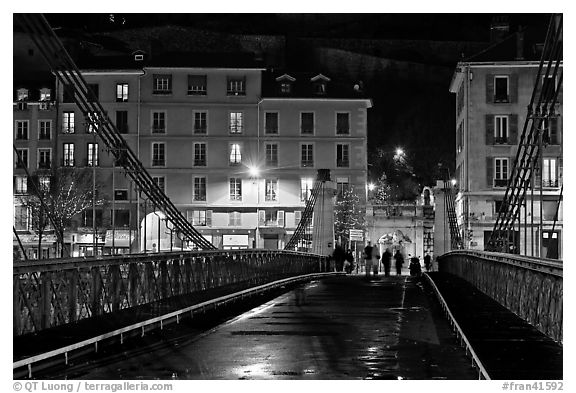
(412, 105)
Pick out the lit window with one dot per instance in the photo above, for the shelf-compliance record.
(234, 219)
(236, 123)
(500, 172)
(22, 94)
(20, 184)
(68, 150)
(501, 129)
(45, 94)
(549, 175)
(306, 185)
(235, 155)
(44, 183)
(92, 154)
(271, 190)
(68, 122)
(121, 92)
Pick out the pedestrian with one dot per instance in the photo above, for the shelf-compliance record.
(372, 257)
(387, 261)
(339, 255)
(427, 262)
(350, 260)
(399, 262)
(415, 268)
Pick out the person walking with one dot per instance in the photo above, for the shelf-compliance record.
(339, 255)
(372, 257)
(399, 262)
(427, 262)
(387, 262)
(350, 261)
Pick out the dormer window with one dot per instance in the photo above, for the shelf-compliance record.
(320, 81)
(22, 94)
(285, 82)
(236, 86)
(45, 94)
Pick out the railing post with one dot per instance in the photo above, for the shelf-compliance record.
(163, 266)
(133, 275)
(72, 294)
(95, 291)
(16, 305)
(45, 300)
(114, 272)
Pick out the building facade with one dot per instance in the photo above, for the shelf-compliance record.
(234, 148)
(493, 91)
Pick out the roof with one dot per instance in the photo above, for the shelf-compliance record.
(304, 85)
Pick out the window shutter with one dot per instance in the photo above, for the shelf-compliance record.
(489, 172)
(281, 218)
(513, 88)
(208, 218)
(513, 125)
(489, 88)
(261, 217)
(489, 129)
(190, 215)
(297, 217)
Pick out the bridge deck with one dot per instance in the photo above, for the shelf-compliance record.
(508, 347)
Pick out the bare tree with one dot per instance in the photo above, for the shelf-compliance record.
(56, 196)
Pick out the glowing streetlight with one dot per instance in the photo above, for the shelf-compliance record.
(399, 151)
(371, 186)
(453, 181)
(254, 171)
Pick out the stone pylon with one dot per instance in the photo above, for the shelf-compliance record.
(323, 221)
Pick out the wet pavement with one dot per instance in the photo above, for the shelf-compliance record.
(339, 328)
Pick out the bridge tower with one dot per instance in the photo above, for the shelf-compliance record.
(323, 222)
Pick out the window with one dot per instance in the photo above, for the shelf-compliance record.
(550, 127)
(94, 88)
(44, 129)
(235, 155)
(549, 175)
(200, 154)
(271, 123)
(121, 218)
(342, 123)
(271, 218)
(197, 85)
(199, 189)
(236, 86)
(270, 190)
(498, 205)
(68, 156)
(285, 87)
(22, 158)
(20, 184)
(236, 122)
(342, 155)
(45, 94)
(122, 92)
(158, 122)
(68, 122)
(342, 185)
(307, 155)
(21, 218)
(200, 122)
(197, 217)
(320, 88)
(306, 185)
(120, 195)
(44, 158)
(272, 154)
(162, 84)
(235, 189)
(22, 129)
(501, 90)
(160, 181)
(158, 154)
(307, 123)
(234, 219)
(500, 172)
(92, 154)
(122, 121)
(92, 122)
(88, 218)
(44, 183)
(500, 129)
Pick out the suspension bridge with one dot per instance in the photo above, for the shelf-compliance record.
(242, 314)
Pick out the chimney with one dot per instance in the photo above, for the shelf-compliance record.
(520, 44)
(499, 28)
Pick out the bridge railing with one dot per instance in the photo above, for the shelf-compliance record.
(531, 288)
(49, 293)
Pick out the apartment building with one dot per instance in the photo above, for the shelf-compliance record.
(235, 147)
(34, 121)
(493, 90)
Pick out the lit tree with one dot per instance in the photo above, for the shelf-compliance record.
(349, 214)
(62, 194)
